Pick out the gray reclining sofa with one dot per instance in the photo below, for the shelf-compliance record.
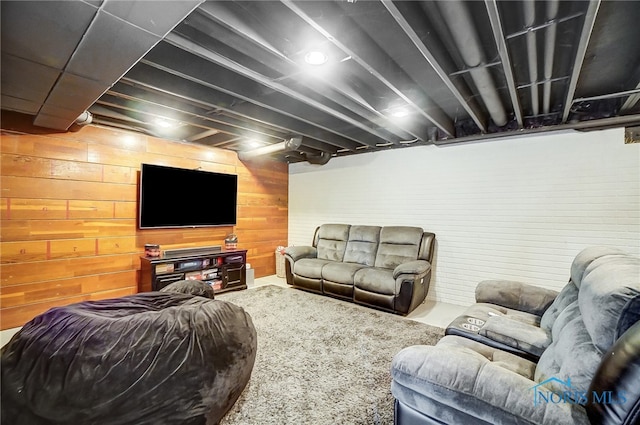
(388, 268)
(581, 361)
(517, 317)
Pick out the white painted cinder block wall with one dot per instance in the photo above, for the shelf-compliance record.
(517, 208)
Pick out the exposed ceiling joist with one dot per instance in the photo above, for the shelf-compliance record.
(587, 29)
(371, 59)
(335, 84)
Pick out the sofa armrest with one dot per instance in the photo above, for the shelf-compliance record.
(418, 268)
(515, 295)
(516, 334)
(297, 252)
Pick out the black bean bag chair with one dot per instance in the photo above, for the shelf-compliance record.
(150, 358)
(193, 287)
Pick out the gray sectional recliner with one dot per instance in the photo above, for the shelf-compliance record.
(388, 268)
(527, 357)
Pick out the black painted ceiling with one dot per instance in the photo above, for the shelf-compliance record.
(232, 74)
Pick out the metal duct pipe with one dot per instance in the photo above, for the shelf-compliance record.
(321, 159)
(289, 144)
(549, 51)
(532, 53)
(466, 39)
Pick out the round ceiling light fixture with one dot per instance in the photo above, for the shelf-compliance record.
(399, 112)
(165, 123)
(316, 57)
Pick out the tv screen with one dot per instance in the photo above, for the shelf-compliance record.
(177, 197)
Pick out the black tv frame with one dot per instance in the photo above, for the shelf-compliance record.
(171, 197)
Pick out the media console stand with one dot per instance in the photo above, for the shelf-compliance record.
(225, 270)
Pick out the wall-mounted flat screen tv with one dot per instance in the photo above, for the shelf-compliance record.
(178, 197)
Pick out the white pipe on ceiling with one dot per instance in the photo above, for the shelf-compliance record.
(532, 53)
(549, 51)
(466, 38)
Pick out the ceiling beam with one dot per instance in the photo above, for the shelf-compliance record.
(345, 37)
(270, 54)
(202, 135)
(158, 111)
(471, 107)
(501, 43)
(195, 90)
(148, 99)
(195, 49)
(175, 60)
(587, 29)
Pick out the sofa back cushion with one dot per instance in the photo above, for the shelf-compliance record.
(587, 256)
(608, 298)
(362, 245)
(398, 244)
(606, 305)
(570, 292)
(331, 241)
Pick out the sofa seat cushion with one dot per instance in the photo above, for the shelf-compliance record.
(309, 267)
(499, 327)
(375, 279)
(459, 377)
(513, 333)
(484, 311)
(341, 272)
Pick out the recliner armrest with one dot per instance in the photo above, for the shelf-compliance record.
(514, 333)
(515, 295)
(416, 267)
(297, 252)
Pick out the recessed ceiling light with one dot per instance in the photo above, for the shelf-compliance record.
(316, 57)
(400, 112)
(165, 123)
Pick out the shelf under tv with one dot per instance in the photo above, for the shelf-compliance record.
(224, 269)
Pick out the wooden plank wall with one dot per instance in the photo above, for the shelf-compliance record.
(69, 212)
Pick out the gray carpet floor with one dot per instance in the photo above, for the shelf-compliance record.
(320, 360)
